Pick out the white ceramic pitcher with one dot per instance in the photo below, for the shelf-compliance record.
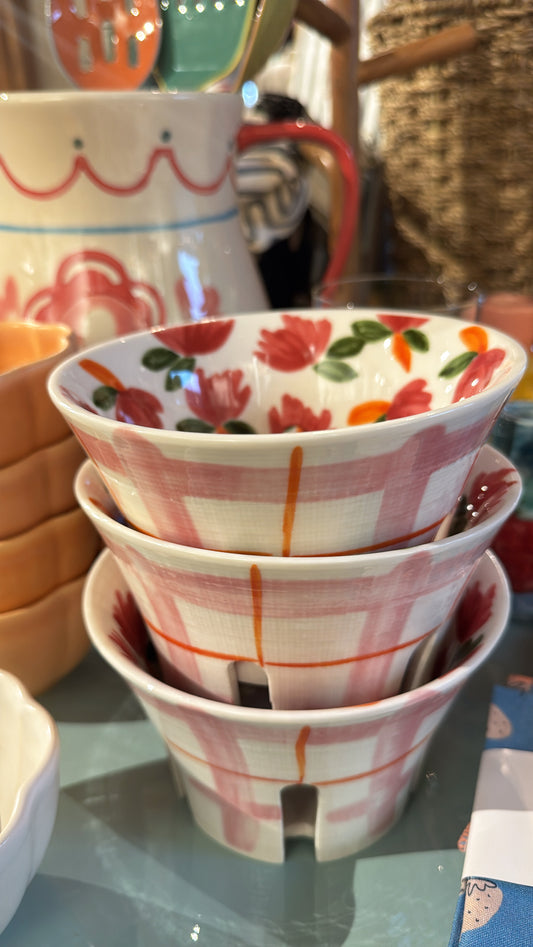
(118, 210)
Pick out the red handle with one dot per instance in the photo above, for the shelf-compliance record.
(250, 135)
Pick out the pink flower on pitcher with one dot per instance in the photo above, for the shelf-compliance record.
(295, 416)
(9, 302)
(197, 301)
(218, 398)
(300, 343)
(89, 281)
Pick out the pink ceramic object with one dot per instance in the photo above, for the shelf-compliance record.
(28, 419)
(321, 631)
(167, 414)
(254, 776)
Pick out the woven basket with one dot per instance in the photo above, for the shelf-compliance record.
(457, 140)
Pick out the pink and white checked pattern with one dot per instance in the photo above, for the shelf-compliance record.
(398, 496)
(234, 762)
(330, 631)
(323, 642)
(233, 773)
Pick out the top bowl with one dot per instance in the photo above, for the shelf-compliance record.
(163, 413)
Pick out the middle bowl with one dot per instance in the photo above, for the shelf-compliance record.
(317, 477)
(319, 631)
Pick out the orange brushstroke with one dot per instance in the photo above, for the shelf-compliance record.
(401, 351)
(101, 373)
(223, 656)
(293, 485)
(367, 412)
(299, 748)
(475, 338)
(257, 602)
(389, 543)
(283, 778)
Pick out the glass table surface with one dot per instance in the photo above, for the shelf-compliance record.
(127, 867)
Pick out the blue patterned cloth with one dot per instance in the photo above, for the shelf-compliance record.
(496, 912)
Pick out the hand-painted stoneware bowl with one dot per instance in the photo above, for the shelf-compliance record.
(318, 631)
(28, 419)
(367, 425)
(29, 790)
(253, 776)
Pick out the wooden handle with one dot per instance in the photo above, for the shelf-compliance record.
(326, 20)
(443, 45)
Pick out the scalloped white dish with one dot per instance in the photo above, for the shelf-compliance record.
(29, 790)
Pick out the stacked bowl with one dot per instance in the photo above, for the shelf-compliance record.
(46, 543)
(297, 509)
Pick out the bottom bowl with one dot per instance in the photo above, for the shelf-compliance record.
(29, 790)
(254, 776)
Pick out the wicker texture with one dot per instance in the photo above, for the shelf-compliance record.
(457, 140)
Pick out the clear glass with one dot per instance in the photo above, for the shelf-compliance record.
(400, 291)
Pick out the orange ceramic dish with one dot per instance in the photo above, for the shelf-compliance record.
(34, 563)
(41, 643)
(28, 419)
(38, 486)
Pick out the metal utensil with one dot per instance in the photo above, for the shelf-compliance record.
(106, 44)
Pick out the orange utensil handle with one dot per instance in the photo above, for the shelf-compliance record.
(110, 46)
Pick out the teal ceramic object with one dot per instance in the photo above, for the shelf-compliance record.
(202, 41)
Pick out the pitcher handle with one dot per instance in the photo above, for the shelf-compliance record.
(250, 135)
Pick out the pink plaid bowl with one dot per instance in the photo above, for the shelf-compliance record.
(318, 631)
(252, 776)
(256, 433)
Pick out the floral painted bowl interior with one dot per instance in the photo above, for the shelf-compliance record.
(238, 766)
(365, 426)
(271, 373)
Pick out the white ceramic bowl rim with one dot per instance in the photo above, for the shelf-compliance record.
(299, 563)
(363, 432)
(156, 689)
(48, 760)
